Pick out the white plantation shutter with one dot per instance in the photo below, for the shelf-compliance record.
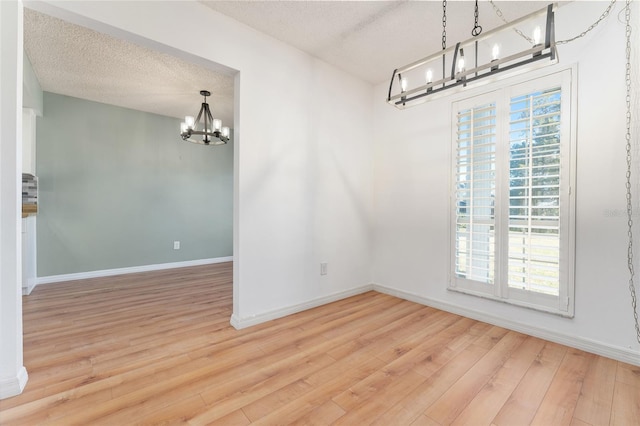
(534, 192)
(512, 224)
(475, 190)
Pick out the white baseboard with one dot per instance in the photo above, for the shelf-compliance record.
(240, 323)
(31, 284)
(614, 352)
(129, 270)
(13, 386)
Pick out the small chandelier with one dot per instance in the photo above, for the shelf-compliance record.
(476, 60)
(211, 131)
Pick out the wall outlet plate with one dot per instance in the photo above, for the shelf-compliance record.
(176, 245)
(324, 268)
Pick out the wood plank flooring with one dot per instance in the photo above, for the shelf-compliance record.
(157, 348)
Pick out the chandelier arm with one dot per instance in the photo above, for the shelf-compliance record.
(550, 34)
(393, 77)
(205, 108)
(455, 57)
(208, 123)
(210, 116)
(444, 60)
(208, 119)
(197, 120)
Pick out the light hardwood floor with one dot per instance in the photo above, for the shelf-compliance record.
(157, 347)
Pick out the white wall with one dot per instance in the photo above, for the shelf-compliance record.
(411, 212)
(13, 375)
(303, 160)
(29, 252)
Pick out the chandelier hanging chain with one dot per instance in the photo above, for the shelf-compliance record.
(632, 288)
(569, 40)
(444, 35)
(591, 27)
(444, 24)
(477, 29)
(501, 16)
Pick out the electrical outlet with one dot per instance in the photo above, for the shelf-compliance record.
(176, 245)
(323, 268)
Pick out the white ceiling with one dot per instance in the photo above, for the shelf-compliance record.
(368, 39)
(75, 61)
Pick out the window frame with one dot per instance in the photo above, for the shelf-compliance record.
(501, 94)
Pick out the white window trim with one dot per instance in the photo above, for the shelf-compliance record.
(564, 304)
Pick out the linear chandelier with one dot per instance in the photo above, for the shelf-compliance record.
(211, 128)
(478, 59)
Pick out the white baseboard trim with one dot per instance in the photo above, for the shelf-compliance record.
(129, 270)
(13, 386)
(31, 284)
(240, 323)
(614, 352)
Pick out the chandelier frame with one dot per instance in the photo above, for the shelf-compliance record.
(212, 131)
(534, 56)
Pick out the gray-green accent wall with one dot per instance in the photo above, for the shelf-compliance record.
(117, 187)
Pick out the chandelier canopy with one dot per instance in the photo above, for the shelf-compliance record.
(209, 128)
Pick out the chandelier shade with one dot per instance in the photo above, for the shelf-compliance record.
(210, 129)
(480, 59)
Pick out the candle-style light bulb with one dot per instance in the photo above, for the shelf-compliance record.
(189, 121)
(403, 84)
(183, 127)
(225, 132)
(536, 35)
(495, 52)
(429, 77)
(217, 123)
(460, 64)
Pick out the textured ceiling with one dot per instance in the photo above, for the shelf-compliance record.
(72, 60)
(368, 39)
